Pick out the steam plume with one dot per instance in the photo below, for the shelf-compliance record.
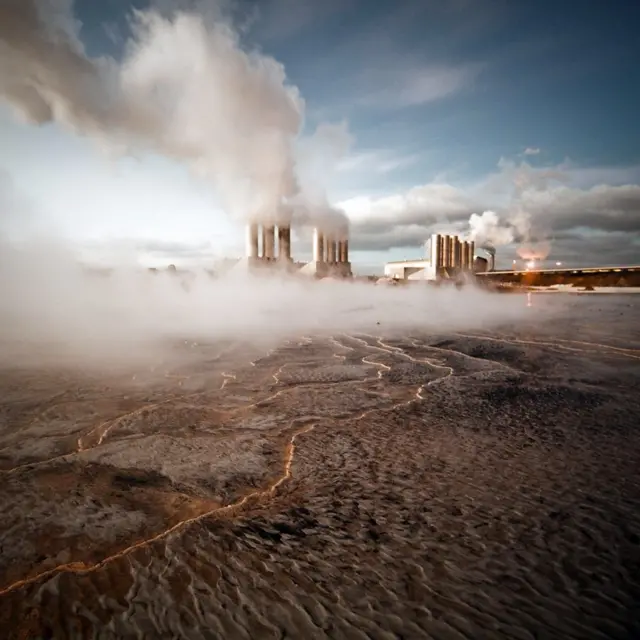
(185, 89)
(515, 226)
(487, 229)
(53, 310)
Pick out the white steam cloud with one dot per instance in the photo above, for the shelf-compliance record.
(488, 229)
(54, 311)
(515, 225)
(185, 88)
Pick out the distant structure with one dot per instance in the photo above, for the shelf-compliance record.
(447, 257)
(268, 246)
(481, 265)
(330, 255)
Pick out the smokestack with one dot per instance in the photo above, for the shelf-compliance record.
(343, 251)
(434, 250)
(452, 250)
(445, 251)
(464, 255)
(331, 248)
(284, 242)
(251, 247)
(472, 251)
(457, 252)
(318, 246)
(440, 256)
(268, 241)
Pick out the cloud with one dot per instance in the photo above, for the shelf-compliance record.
(531, 151)
(19, 217)
(401, 85)
(186, 88)
(538, 204)
(380, 161)
(430, 203)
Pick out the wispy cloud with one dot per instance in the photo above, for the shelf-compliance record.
(381, 161)
(399, 86)
(531, 151)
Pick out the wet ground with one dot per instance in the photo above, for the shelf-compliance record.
(396, 485)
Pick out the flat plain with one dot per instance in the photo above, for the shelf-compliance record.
(393, 484)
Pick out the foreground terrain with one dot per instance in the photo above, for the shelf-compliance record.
(396, 485)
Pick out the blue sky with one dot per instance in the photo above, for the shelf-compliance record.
(448, 103)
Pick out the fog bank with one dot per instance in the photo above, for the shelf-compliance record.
(51, 305)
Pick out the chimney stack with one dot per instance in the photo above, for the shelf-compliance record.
(446, 246)
(331, 249)
(457, 257)
(318, 246)
(284, 243)
(251, 245)
(343, 250)
(268, 241)
(452, 250)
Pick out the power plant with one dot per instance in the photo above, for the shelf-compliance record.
(269, 246)
(262, 248)
(447, 257)
(330, 255)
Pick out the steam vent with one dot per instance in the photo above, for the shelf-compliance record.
(330, 255)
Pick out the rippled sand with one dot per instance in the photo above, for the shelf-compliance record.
(356, 486)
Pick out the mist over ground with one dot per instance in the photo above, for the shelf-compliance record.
(51, 306)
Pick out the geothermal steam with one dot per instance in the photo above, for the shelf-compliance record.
(489, 229)
(50, 307)
(184, 88)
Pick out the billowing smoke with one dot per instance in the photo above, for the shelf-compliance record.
(515, 224)
(489, 230)
(318, 156)
(185, 88)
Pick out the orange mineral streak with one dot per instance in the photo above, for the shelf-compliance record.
(625, 352)
(99, 433)
(82, 568)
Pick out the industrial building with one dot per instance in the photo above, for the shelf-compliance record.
(330, 254)
(447, 257)
(269, 246)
